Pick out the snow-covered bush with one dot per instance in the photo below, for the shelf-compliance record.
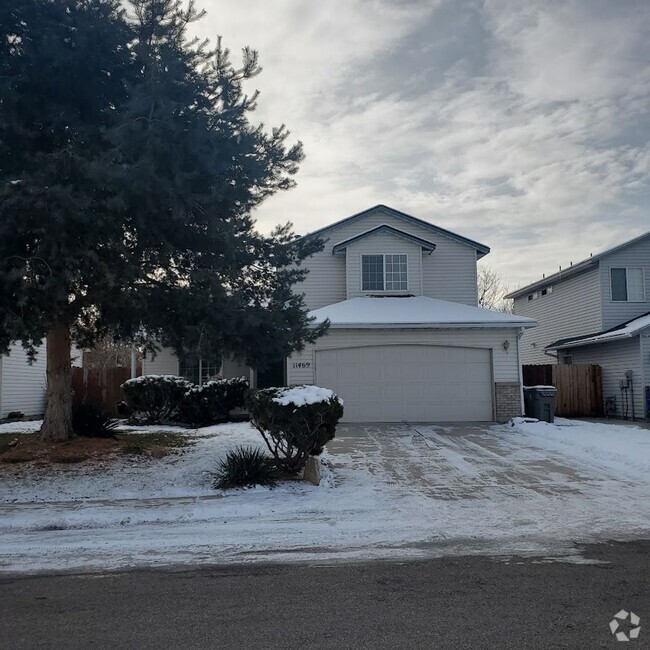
(295, 422)
(244, 467)
(155, 398)
(213, 401)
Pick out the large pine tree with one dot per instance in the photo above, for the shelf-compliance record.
(128, 172)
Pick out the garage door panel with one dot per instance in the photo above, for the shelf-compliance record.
(455, 372)
(409, 382)
(480, 372)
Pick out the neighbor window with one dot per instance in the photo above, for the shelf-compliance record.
(198, 370)
(627, 285)
(384, 273)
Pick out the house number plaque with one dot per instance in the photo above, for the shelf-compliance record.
(301, 364)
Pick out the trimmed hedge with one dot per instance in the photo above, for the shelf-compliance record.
(295, 422)
(155, 398)
(213, 401)
(164, 398)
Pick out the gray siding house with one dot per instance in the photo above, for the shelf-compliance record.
(596, 311)
(407, 341)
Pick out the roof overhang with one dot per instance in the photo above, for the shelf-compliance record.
(631, 329)
(384, 228)
(436, 326)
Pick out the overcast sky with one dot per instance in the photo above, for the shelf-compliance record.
(522, 124)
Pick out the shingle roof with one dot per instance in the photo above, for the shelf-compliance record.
(427, 245)
(481, 249)
(624, 331)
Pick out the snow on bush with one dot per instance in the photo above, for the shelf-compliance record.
(160, 398)
(155, 398)
(295, 422)
(302, 395)
(213, 401)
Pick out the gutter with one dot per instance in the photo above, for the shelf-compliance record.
(366, 326)
(577, 344)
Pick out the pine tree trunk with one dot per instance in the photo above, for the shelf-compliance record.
(57, 425)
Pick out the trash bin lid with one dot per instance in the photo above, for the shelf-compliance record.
(546, 391)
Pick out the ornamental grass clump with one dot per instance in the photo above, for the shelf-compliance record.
(155, 398)
(245, 467)
(91, 421)
(295, 422)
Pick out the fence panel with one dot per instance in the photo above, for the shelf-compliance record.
(99, 386)
(579, 387)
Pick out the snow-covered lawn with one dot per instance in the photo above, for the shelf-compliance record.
(388, 490)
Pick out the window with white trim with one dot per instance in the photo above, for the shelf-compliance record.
(384, 273)
(627, 284)
(198, 369)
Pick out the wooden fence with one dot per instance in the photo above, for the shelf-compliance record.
(100, 386)
(579, 387)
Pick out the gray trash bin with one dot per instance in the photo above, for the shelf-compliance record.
(539, 402)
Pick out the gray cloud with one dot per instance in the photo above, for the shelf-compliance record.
(524, 125)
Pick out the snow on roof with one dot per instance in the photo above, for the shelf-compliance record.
(625, 331)
(417, 311)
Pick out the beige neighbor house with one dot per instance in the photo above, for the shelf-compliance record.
(596, 312)
(407, 341)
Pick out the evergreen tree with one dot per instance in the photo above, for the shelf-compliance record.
(128, 172)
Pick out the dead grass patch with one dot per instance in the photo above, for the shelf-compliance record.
(28, 448)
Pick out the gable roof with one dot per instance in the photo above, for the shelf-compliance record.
(624, 331)
(481, 249)
(427, 245)
(412, 312)
(575, 269)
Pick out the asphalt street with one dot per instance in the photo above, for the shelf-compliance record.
(467, 602)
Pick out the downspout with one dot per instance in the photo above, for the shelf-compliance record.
(553, 356)
(520, 333)
(134, 364)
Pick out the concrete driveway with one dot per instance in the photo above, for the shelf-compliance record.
(461, 460)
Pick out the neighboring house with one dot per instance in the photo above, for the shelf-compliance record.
(23, 385)
(407, 341)
(598, 312)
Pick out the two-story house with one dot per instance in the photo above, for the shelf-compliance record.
(407, 341)
(597, 312)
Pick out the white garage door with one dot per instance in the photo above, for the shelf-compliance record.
(393, 383)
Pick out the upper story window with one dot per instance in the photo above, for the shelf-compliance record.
(546, 291)
(384, 273)
(627, 284)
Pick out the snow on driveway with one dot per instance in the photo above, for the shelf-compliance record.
(389, 490)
